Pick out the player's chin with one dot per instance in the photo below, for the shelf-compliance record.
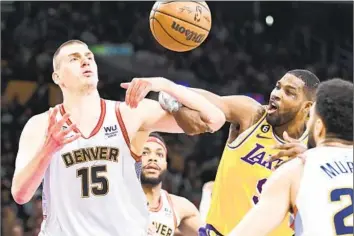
(273, 119)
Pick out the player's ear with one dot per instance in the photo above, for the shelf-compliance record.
(55, 77)
(307, 107)
(319, 129)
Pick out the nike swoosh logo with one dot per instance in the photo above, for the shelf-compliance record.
(264, 137)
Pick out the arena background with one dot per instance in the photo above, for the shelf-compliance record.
(242, 55)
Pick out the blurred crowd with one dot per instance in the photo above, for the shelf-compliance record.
(241, 55)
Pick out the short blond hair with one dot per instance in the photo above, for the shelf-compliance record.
(67, 43)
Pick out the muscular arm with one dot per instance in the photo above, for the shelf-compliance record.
(31, 160)
(238, 110)
(190, 218)
(149, 116)
(275, 201)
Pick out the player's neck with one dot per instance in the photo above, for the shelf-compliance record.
(295, 129)
(74, 103)
(332, 142)
(153, 195)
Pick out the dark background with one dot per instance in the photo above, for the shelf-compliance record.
(242, 55)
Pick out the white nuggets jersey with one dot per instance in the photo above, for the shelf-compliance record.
(91, 187)
(325, 197)
(163, 217)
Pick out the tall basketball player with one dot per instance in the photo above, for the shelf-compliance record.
(168, 213)
(245, 164)
(84, 149)
(321, 190)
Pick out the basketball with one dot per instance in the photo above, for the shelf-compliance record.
(180, 26)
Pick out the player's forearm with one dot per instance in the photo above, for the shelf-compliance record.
(26, 181)
(197, 102)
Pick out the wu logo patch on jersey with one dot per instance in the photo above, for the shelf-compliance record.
(168, 211)
(110, 131)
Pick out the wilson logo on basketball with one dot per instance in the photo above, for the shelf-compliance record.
(189, 34)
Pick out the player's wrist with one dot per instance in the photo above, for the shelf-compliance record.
(169, 103)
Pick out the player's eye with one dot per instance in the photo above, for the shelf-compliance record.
(90, 58)
(73, 59)
(291, 93)
(277, 86)
(160, 155)
(145, 153)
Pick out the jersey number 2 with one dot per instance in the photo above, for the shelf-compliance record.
(92, 180)
(339, 217)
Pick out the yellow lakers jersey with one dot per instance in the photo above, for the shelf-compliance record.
(243, 170)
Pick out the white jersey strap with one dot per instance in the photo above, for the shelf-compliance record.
(176, 218)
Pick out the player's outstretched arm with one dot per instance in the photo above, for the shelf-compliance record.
(154, 118)
(238, 109)
(189, 215)
(274, 203)
(40, 138)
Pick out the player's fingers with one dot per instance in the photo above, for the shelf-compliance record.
(283, 146)
(291, 153)
(52, 116)
(276, 156)
(141, 94)
(71, 139)
(57, 127)
(128, 92)
(288, 138)
(135, 92)
(64, 132)
(125, 85)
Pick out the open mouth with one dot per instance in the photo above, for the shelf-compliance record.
(87, 73)
(272, 107)
(152, 167)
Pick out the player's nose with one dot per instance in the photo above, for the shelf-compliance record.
(275, 95)
(85, 62)
(152, 158)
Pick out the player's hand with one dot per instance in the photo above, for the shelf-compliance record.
(191, 121)
(291, 149)
(56, 135)
(138, 88)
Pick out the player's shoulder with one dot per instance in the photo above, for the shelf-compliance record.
(40, 120)
(289, 170)
(292, 165)
(183, 206)
(181, 202)
(36, 126)
(177, 199)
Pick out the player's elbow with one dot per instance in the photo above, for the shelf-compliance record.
(18, 194)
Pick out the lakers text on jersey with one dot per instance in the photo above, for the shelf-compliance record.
(242, 172)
